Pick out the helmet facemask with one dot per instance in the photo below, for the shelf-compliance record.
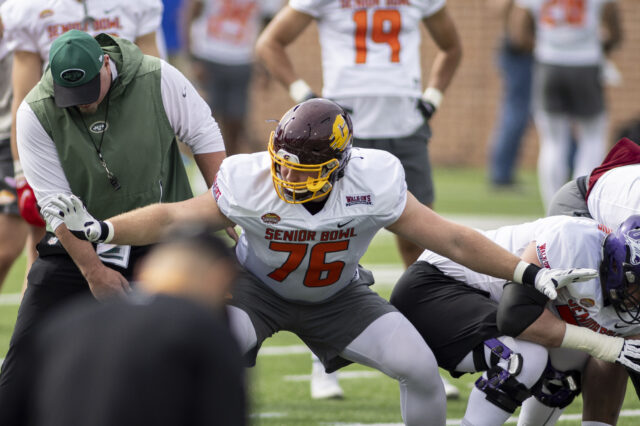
(318, 183)
(620, 273)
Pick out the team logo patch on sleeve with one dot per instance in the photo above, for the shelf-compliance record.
(45, 13)
(270, 218)
(587, 302)
(352, 200)
(542, 255)
(215, 189)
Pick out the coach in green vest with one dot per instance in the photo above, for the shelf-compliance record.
(102, 124)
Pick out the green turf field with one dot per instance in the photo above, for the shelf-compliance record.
(279, 383)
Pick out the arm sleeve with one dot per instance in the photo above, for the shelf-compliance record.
(430, 7)
(310, 7)
(18, 30)
(188, 113)
(527, 4)
(269, 8)
(149, 16)
(40, 161)
(221, 192)
(390, 189)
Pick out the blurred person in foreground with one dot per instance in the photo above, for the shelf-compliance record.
(164, 355)
(220, 36)
(569, 40)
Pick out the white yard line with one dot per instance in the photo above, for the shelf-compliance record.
(283, 350)
(10, 299)
(457, 422)
(341, 375)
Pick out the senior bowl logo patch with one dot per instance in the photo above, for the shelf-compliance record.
(587, 302)
(356, 199)
(99, 127)
(45, 13)
(270, 218)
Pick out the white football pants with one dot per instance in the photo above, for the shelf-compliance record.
(554, 132)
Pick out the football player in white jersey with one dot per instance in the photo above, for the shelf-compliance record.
(31, 27)
(456, 310)
(609, 194)
(308, 209)
(571, 39)
(371, 67)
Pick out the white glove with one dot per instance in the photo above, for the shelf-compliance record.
(548, 280)
(629, 356)
(72, 211)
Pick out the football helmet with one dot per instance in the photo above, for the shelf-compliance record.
(620, 270)
(313, 139)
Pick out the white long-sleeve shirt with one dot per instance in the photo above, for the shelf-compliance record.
(188, 114)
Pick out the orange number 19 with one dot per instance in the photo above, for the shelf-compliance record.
(379, 34)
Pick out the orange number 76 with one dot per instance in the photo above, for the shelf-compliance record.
(317, 265)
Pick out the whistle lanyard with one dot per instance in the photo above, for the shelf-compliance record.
(113, 179)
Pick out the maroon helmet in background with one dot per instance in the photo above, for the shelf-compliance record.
(314, 138)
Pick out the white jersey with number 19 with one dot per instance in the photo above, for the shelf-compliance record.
(370, 47)
(302, 256)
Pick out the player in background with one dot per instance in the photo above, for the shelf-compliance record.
(30, 28)
(570, 40)
(220, 37)
(371, 67)
(609, 194)
(309, 208)
(13, 230)
(456, 311)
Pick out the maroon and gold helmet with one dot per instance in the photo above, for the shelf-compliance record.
(313, 137)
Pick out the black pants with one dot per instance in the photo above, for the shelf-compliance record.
(53, 281)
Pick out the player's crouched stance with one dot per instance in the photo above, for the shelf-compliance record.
(301, 244)
(472, 324)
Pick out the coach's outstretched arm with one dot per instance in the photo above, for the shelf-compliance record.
(145, 225)
(473, 250)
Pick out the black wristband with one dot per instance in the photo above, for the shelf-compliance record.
(104, 231)
(529, 274)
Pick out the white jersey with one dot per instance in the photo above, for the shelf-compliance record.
(615, 196)
(300, 256)
(32, 26)
(567, 32)
(371, 60)
(226, 30)
(561, 242)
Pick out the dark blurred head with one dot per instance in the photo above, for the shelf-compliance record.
(190, 262)
(630, 130)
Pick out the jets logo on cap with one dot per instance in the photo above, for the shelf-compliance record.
(72, 74)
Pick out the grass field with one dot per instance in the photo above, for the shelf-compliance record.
(279, 383)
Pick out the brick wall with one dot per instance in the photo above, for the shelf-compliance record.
(463, 126)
